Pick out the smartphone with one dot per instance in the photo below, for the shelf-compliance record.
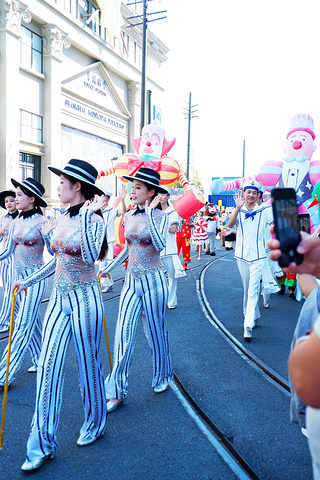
(286, 224)
(304, 222)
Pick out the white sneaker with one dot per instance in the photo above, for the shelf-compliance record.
(162, 387)
(266, 305)
(32, 369)
(247, 334)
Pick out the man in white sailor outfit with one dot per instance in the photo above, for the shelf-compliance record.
(169, 255)
(252, 220)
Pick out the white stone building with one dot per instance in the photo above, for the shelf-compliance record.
(70, 87)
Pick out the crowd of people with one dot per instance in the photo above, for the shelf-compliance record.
(79, 236)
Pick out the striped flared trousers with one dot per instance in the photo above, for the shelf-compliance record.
(150, 293)
(27, 329)
(78, 315)
(7, 276)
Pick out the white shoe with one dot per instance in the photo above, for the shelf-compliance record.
(266, 305)
(162, 387)
(112, 406)
(32, 369)
(172, 307)
(247, 334)
(4, 329)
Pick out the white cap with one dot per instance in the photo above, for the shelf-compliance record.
(252, 184)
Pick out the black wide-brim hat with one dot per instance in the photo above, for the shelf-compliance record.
(148, 176)
(34, 187)
(80, 170)
(4, 194)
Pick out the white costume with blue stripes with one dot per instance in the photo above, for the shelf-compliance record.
(251, 256)
(26, 242)
(170, 259)
(145, 288)
(7, 272)
(75, 311)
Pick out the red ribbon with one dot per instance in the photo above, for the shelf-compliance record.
(135, 163)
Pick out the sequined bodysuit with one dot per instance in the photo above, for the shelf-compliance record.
(26, 243)
(145, 288)
(75, 310)
(145, 238)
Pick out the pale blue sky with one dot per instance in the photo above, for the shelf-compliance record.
(250, 66)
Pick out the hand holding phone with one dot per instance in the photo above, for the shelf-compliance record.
(286, 224)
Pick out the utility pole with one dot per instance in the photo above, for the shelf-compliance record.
(144, 24)
(144, 61)
(243, 157)
(189, 115)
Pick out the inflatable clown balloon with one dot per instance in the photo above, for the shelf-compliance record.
(152, 148)
(296, 170)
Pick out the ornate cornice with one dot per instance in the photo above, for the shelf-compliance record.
(12, 13)
(54, 41)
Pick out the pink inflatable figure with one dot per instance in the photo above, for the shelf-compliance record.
(152, 148)
(295, 170)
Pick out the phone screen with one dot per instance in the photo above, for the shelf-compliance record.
(304, 222)
(287, 219)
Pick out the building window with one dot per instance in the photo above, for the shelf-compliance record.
(31, 50)
(29, 166)
(126, 43)
(92, 9)
(30, 127)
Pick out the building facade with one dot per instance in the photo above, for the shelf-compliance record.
(70, 85)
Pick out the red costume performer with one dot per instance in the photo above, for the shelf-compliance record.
(183, 241)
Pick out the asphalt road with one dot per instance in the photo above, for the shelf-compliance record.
(152, 436)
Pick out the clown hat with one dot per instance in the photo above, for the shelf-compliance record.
(304, 122)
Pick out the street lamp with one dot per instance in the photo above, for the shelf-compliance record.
(113, 163)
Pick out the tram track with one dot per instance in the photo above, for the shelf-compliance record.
(216, 437)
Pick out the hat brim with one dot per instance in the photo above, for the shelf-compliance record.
(59, 172)
(4, 194)
(158, 188)
(42, 202)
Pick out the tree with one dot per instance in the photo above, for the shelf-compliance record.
(196, 180)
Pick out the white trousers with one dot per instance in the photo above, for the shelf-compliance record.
(172, 281)
(251, 274)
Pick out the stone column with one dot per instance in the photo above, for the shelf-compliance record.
(134, 95)
(12, 12)
(54, 40)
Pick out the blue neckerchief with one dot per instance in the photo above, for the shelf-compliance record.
(252, 215)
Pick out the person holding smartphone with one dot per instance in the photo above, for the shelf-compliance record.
(252, 220)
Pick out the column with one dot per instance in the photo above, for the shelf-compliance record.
(54, 40)
(11, 15)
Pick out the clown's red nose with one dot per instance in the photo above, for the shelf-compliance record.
(296, 145)
(149, 144)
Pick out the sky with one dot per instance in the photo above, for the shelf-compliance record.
(250, 67)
